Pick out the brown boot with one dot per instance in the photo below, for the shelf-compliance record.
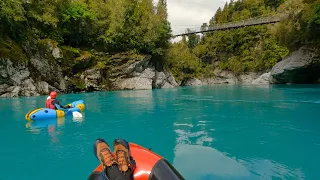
(122, 153)
(103, 153)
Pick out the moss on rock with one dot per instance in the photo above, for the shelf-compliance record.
(11, 50)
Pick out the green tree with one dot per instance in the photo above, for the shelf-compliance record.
(12, 19)
(76, 22)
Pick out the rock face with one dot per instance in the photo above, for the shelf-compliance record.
(141, 75)
(263, 79)
(302, 66)
(92, 78)
(193, 82)
(15, 79)
(37, 75)
(248, 78)
(44, 63)
(222, 77)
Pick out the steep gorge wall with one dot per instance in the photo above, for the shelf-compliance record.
(45, 66)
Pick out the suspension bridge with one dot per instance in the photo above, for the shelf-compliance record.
(234, 25)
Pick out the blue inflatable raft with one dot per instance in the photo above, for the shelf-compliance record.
(46, 113)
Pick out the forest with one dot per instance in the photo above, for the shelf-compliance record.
(142, 27)
(111, 26)
(248, 49)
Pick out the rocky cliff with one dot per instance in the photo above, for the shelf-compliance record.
(37, 68)
(301, 67)
(44, 66)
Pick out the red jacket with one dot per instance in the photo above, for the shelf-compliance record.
(49, 104)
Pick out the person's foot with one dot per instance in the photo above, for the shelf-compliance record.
(123, 155)
(103, 153)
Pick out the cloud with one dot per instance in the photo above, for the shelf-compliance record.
(184, 14)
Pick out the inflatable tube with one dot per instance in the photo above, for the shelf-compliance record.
(46, 113)
(149, 165)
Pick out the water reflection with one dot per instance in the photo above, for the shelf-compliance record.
(53, 127)
(196, 158)
(141, 101)
(200, 162)
(228, 136)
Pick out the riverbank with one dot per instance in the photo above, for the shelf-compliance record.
(86, 46)
(43, 66)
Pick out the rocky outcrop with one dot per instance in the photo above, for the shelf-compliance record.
(192, 82)
(222, 77)
(263, 79)
(142, 75)
(35, 71)
(15, 79)
(302, 66)
(92, 79)
(248, 78)
(44, 58)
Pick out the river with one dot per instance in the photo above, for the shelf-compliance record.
(210, 132)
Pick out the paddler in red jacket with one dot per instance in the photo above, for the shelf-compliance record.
(52, 102)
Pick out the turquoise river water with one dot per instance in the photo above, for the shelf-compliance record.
(212, 132)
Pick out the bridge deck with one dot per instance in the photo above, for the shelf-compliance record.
(234, 25)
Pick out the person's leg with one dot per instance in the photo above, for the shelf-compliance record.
(113, 173)
(102, 152)
(123, 157)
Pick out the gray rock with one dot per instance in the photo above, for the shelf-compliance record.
(12, 91)
(160, 79)
(133, 66)
(56, 53)
(11, 73)
(228, 76)
(3, 88)
(148, 73)
(263, 79)
(42, 87)
(302, 66)
(48, 69)
(62, 85)
(231, 81)
(248, 78)
(135, 83)
(217, 80)
(138, 66)
(167, 85)
(28, 88)
(92, 78)
(20, 76)
(193, 82)
(138, 69)
(170, 79)
(28, 85)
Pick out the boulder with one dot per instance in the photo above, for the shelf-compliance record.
(135, 83)
(47, 69)
(92, 78)
(248, 78)
(229, 77)
(42, 87)
(170, 79)
(217, 80)
(160, 79)
(167, 85)
(13, 73)
(148, 73)
(263, 79)
(302, 66)
(192, 82)
(12, 91)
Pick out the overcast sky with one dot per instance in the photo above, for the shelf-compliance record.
(192, 13)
